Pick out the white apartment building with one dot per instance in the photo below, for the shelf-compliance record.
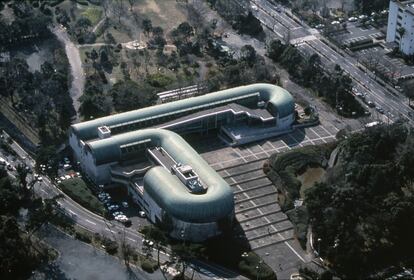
(401, 25)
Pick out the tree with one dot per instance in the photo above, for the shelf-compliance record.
(184, 254)
(128, 95)
(147, 26)
(248, 54)
(41, 212)
(83, 23)
(159, 237)
(409, 90)
(275, 50)
(22, 175)
(158, 31)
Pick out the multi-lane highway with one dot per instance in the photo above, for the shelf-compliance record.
(94, 223)
(285, 25)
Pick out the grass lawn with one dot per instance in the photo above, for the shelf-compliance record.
(76, 188)
(311, 176)
(93, 14)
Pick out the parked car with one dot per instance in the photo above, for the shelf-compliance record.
(113, 207)
(117, 213)
(371, 104)
(380, 110)
(124, 204)
(352, 19)
(142, 214)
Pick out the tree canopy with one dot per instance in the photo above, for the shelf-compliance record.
(363, 212)
(129, 95)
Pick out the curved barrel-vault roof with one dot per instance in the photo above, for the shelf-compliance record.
(279, 98)
(166, 189)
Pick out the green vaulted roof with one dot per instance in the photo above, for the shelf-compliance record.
(165, 188)
(280, 100)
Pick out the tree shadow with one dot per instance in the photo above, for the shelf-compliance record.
(53, 271)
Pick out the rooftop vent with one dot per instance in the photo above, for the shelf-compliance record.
(104, 132)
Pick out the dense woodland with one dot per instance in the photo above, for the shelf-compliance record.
(42, 97)
(363, 212)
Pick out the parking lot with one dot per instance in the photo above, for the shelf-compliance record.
(356, 33)
(263, 224)
(378, 58)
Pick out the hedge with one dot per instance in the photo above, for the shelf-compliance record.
(149, 265)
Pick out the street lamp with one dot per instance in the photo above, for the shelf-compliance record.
(258, 269)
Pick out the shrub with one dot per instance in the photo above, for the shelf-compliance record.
(111, 247)
(149, 266)
(83, 236)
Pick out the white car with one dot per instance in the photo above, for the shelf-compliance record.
(117, 213)
(142, 214)
(148, 242)
(62, 178)
(335, 22)
(121, 218)
(67, 177)
(113, 207)
(40, 178)
(352, 19)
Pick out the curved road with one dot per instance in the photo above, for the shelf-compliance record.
(78, 76)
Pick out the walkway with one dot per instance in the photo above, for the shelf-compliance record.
(78, 76)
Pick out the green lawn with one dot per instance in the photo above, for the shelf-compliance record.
(76, 188)
(93, 14)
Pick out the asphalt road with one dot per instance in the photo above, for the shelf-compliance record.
(308, 40)
(111, 229)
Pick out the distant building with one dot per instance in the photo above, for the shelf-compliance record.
(401, 25)
(143, 151)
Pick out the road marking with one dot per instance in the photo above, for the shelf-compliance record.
(70, 211)
(90, 222)
(109, 230)
(133, 240)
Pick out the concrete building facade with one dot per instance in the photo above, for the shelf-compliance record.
(400, 27)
